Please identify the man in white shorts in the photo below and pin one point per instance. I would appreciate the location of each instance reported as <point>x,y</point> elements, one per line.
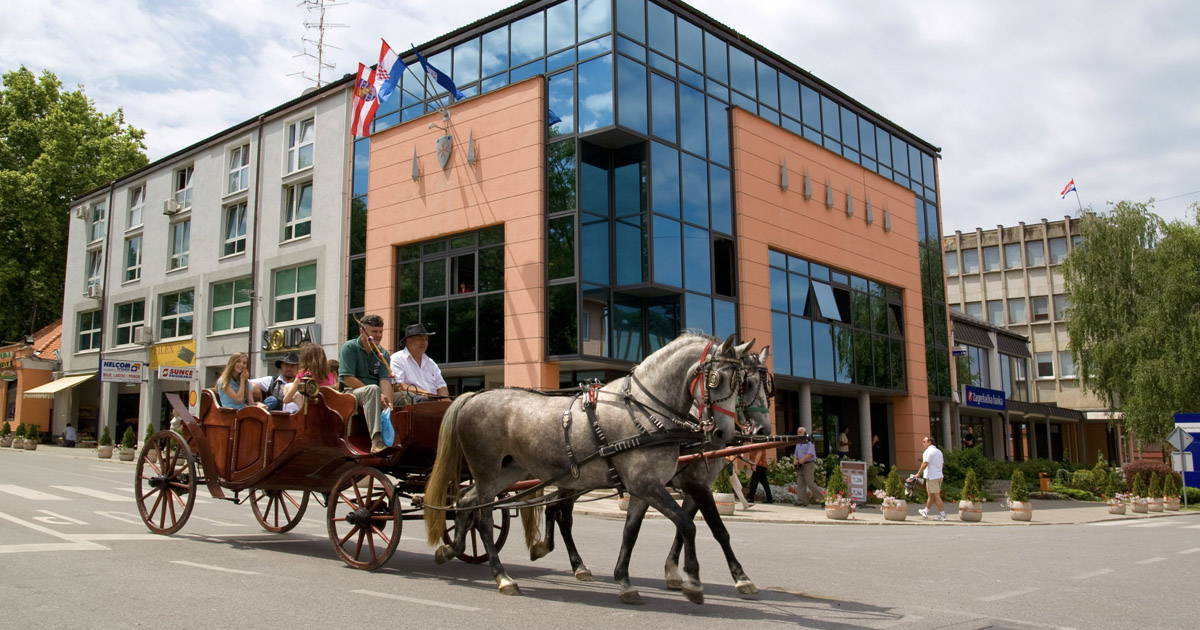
<point>931,466</point>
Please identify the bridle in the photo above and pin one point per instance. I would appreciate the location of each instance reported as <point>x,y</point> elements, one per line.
<point>706,378</point>
<point>766,385</point>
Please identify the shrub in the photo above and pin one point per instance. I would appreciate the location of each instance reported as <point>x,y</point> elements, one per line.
<point>31,432</point>
<point>1072,493</point>
<point>1193,496</point>
<point>721,484</point>
<point>826,467</point>
<point>782,471</point>
<point>1144,468</point>
<point>893,487</point>
<point>129,440</point>
<point>1156,488</point>
<point>874,478</point>
<point>1017,489</point>
<point>957,463</point>
<point>1115,485</point>
<point>149,433</point>
<point>1139,487</point>
<point>1171,487</point>
<point>970,489</point>
<point>4,430</point>
<point>1082,480</point>
<point>21,431</point>
<point>105,439</point>
<point>837,487</point>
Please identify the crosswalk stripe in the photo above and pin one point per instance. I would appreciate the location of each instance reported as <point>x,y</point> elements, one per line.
<point>1154,523</point>
<point>1150,560</point>
<point>95,494</point>
<point>1192,550</point>
<point>1123,521</point>
<point>212,568</point>
<point>130,490</point>
<point>32,495</point>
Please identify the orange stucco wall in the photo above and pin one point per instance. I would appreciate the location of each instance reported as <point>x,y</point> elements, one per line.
<point>35,411</point>
<point>769,217</point>
<point>505,185</point>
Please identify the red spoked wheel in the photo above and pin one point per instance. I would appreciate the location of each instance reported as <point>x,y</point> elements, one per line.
<point>473,552</point>
<point>278,511</point>
<point>364,518</point>
<point>165,483</point>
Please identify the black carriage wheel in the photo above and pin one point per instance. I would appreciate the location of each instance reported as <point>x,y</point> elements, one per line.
<point>278,511</point>
<point>165,483</point>
<point>363,512</point>
<point>473,552</point>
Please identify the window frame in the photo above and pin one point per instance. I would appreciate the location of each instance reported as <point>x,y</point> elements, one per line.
<point>1034,315</point>
<point>136,206</point>
<point>239,172</point>
<point>1029,254</point>
<point>1051,256</point>
<point>1038,363</point>
<point>294,145</point>
<point>132,325</point>
<point>291,196</point>
<point>1012,319</point>
<point>296,295</point>
<point>94,332</point>
<point>1008,261</point>
<point>1063,371</point>
<point>247,303</point>
<point>227,212</point>
<point>177,260</point>
<point>178,316</point>
<point>183,194</point>
<point>94,267</point>
<point>1062,304</point>
<point>984,263</point>
<point>136,269</point>
<point>973,254</point>
<point>951,267</point>
<point>96,214</point>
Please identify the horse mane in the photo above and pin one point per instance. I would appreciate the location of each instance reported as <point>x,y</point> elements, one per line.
<point>686,337</point>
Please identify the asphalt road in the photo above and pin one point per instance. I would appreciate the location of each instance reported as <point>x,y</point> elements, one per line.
<point>74,553</point>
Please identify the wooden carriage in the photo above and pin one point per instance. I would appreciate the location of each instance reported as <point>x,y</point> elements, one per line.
<point>279,461</point>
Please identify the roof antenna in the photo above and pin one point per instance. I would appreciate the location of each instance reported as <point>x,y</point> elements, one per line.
<point>318,7</point>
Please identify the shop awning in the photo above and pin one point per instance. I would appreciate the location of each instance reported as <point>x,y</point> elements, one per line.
<point>53,387</point>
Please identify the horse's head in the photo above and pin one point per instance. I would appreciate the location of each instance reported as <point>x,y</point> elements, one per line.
<point>715,385</point>
<point>757,390</point>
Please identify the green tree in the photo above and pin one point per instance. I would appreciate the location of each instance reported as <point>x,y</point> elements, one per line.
<point>54,146</point>
<point>1134,323</point>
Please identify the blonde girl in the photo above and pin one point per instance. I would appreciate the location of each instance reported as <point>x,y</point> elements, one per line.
<point>231,384</point>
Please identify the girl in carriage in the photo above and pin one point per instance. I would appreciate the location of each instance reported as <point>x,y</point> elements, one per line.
<point>232,391</point>
<point>313,366</point>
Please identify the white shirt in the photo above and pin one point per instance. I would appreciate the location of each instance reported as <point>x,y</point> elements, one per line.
<point>263,383</point>
<point>427,376</point>
<point>933,460</point>
<point>69,434</point>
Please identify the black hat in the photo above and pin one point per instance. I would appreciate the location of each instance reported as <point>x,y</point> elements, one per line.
<point>290,357</point>
<point>416,329</point>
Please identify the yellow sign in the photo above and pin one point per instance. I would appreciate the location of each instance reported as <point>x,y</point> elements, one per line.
<point>175,354</point>
<point>6,359</point>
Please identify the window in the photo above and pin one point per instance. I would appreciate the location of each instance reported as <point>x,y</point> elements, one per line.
<point>951,263</point>
<point>183,187</point>
<point>970,260</point>
<point>1076,241</point>
<point>1045,364</point>
<point>974,309</point>
<point>1058,250</point>
<point>180,237</point>
<point>297,220</point>
<point>89,331</point>
<point>300,145</point>
<point>239,169</point>
<point>95,263</point>
<point>231,306</point>
<point>137,203</point>
<point>133,258</point>
<point>235,229</point>
<point>130,317</point>
<point>95,219</point>
<point>1061,306</point>
<point>295,294</point>
<point>1012,256</point>
<point>991,258</point>
<point>1016,311</point>
<point>1035,253</point>
<point>1041,308</point>
<point>1066,364</point>
<point>995,312</point>
<point>176,318</point>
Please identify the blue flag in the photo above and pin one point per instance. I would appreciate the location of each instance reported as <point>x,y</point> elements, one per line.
<point>438,77</point>
<point>552,118</point>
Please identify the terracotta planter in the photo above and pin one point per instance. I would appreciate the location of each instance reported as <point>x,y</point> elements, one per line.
<point>1171,504</point>
<point>970,511</point>
<point>725,502</point>
<point>837,512</point>
<point>30,444</point>
<point>126,454</point>
<point>1140,506</point>
<point>1156,504</point>
<point>899,512</point>
<point>1116,508</point>
<point>1021,510</point>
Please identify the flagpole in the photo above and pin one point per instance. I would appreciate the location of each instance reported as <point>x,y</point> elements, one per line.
<point>1076,191</point>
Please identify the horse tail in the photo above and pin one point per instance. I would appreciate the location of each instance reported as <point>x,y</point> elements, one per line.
<point>531,520</point>
<point>446,473</point>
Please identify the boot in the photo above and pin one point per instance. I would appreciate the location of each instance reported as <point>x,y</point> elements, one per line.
<point>377,443</point>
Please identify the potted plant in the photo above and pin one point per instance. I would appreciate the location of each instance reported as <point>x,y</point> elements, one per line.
<point>895,508</point>
<point>1171,493</point>
<point>151,454</point>
<point>970,504</point>
<point>19,438</point>
<point>723,495</point>
<point>1018,498</point>
<point>1115,494</point>
<point>5,435</point>
<point>1155,493</point>
<point>838,502</point>
<point>31,437</point>
<point>104,446</point>
<point>1138,500</point>
<point>128,444</point>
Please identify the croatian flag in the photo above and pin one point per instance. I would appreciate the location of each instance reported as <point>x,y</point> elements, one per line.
<point>1070,188</point>
<point>438,77</point>
<point>388,72</point>
<point>365,102</point>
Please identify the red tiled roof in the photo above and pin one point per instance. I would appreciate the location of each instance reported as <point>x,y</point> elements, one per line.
<point>47,340</point>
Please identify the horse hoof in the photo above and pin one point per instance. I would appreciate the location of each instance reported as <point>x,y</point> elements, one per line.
<point>694,593</point>
<point>746,587</point>
<point>538,550</point>
<point>630,596</point>
<point>674,583</point>
<point>443,554</point>
<point>673,578</point>
<point>584,574</point>
<point>509,587</point>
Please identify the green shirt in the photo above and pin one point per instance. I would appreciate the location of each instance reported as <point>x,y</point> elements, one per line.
<point>356,361</point>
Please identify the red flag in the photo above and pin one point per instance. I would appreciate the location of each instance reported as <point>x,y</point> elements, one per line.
<point>365,102</point>
<point>1070,187</point>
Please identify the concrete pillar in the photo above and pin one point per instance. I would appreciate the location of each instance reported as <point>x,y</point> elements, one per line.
<point>1082,429</point>
<point>945,439</point>
<point>148,406</point>
<point>1049,450</point>
<point>806,407</point>
<point>864,426</point>
<point>106,416</point>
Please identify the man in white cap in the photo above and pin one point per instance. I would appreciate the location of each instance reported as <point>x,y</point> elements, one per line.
<point>417,373</point>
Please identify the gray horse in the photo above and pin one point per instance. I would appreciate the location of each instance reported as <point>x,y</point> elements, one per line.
<point>641,421</point>
<point>694,480</point>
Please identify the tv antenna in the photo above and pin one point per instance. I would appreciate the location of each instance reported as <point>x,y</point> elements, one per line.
<point>318,7</point>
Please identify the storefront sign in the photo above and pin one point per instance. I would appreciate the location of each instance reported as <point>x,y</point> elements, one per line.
<point>960,351</point>
<point>984,398</point>
<point>175,354</point>
<point>170,373</point>
<point>8,375</point>
<point>6,359</point>
<point>290,337</point>
<point>855,473</point>
<point>112,371</point>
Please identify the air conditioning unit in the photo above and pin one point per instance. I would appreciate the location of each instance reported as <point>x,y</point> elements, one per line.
<point>170,207</point>
<point>143,335</point>
<point>81,212</point>
<point>94,291</point>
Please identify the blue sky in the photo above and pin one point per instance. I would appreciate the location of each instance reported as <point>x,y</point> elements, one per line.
<point>1021,96</point>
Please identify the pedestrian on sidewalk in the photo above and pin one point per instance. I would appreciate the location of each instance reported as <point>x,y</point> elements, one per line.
<point>758,459</point>
<point>805,455</point>
<point>844,443</point>
<point>732,463</point>
<point>68,436</point>
<point>931,466</point>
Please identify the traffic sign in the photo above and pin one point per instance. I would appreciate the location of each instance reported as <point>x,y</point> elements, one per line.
<point>1179,439</point>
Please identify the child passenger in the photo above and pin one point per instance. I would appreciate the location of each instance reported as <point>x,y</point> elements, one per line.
<point>313,366</point>
<point>231,384</point>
